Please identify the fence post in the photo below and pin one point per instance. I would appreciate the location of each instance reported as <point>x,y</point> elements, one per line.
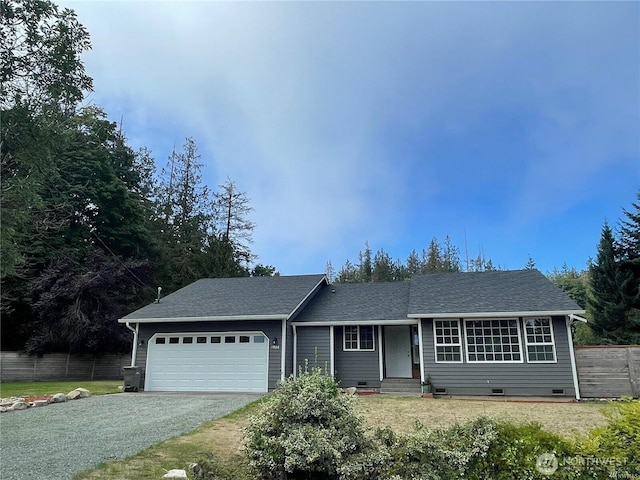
<point>93,367</point>
<point>632,374</point>
<point>66,370</point>
<point>35,366</point>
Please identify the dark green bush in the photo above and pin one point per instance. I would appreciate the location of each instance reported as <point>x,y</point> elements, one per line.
<point>515,450</point>
<point>439,454</point>
<point>615,448</point>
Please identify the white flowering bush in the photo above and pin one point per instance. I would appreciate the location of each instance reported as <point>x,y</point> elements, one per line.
<point>308,430</point>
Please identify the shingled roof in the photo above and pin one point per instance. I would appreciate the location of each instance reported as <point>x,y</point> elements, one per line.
<point>512,292</point>
<point>358,302</point>
<point>267,298</point>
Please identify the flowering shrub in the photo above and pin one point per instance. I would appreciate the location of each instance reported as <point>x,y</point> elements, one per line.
<point>307,429</point>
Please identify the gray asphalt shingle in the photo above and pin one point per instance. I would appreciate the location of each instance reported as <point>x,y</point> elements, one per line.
<point>245,296</point>
<point>478,292</point>
<point>351,302</point>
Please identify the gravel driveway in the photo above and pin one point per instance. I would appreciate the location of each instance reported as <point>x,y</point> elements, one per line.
<point>61,440</point>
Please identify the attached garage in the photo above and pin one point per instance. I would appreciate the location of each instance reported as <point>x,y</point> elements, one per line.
<point>208,362</point>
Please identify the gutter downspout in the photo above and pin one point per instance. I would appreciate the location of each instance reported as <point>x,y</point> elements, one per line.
<point>295,351</point>
<point>134,348</point>
<point>572,356</point>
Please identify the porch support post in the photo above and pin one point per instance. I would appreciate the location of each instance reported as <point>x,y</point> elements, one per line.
<point>572,357</point>
<point>295,351</point>
<point>283,350</point>
<point>421,350</point>
<point>380,359</point>
<point>332,352</point>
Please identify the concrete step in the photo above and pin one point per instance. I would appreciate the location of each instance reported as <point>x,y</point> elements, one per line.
<point>401,386</point>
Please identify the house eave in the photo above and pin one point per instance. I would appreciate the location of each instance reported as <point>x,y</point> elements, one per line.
<point>335,323</point>
<point>218,318</point>
<point>526,313</point>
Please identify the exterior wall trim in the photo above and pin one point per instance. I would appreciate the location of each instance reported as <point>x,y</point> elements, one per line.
<point>220,318</point>
<point>380,359</point>
<point>332,352</point>
<point>342,323</point>
<point>572,357</point>
<point>528,313</point>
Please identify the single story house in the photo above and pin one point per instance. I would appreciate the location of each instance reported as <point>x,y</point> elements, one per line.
<point>472,333</point>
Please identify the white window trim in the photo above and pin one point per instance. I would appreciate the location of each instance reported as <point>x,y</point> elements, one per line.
<point>436,344</point>
<point>517,320</point>
<point>344,339</point>
<point>552,342</point>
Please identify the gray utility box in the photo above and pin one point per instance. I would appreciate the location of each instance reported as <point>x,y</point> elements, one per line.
<point>132,379</point>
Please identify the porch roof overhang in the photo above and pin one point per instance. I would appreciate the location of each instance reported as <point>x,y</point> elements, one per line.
<point>525,313</point>
<point>218,318</point>
<point>336,323</point>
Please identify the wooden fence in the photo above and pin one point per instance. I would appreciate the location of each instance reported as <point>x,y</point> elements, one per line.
<point>17,367</point>
<point>608,371</point>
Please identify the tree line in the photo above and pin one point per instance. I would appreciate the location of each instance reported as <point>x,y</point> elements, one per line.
<point>89,228</point>
<point>608,289</point>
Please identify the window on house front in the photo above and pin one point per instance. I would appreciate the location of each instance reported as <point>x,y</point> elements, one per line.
<point>447,340</point>
<point>493,340</point>
<point>358,337</point>
<point>539,340</point>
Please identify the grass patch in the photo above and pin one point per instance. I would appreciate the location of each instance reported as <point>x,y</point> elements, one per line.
<point>402,413</point>
<point>223,437</point>
<point>24,389</point>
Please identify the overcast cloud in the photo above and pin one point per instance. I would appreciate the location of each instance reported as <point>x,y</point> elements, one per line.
<point>514,124</point>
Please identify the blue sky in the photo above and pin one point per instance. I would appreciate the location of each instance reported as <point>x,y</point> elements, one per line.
<point>512,127</point>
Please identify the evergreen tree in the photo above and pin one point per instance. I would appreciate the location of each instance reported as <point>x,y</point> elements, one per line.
<point>572,282</point>
<point>231,221</point>
<point>365,268</point>
<point>605,303</point>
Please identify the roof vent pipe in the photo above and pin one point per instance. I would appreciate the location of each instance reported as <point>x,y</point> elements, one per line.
<point>159,292</point>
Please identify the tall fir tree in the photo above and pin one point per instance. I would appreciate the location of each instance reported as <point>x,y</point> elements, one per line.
<point>605,302</point>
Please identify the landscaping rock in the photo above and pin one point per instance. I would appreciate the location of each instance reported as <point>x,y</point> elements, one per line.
<point>59,398</point>
<point>3,409</point>
<point>78,393</point>
<point>176,473</point>
<point>19,406</point>
<point>351,391</point>
<point>39,403</point>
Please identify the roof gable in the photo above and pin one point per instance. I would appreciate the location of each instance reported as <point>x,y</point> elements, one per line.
<point>228,298</point>
<point>353,302</point>
<point>511,291</point>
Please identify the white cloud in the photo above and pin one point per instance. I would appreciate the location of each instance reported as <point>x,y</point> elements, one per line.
<point>331,115</point>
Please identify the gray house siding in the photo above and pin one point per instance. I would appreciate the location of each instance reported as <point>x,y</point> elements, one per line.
<point>271,329</point>
<point>357,369</point>
<point>313,347</point>
<point>535,379</point>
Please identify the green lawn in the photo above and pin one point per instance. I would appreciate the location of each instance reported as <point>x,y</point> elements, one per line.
<point>24,389</point>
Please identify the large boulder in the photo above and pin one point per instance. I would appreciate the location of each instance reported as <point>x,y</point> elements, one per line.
<point>78,393</point>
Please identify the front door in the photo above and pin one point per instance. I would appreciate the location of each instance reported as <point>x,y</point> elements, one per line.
<point>397,351</point>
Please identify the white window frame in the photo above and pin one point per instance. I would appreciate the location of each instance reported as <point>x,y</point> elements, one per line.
<point>466,340</point>
<point>358,339</point>
<point>436,344</point>
<point>552,342</point>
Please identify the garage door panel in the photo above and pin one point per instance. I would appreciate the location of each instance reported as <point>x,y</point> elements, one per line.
<point>238,363</point>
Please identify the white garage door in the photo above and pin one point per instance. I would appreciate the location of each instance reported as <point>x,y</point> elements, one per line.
<point>208,362</point>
